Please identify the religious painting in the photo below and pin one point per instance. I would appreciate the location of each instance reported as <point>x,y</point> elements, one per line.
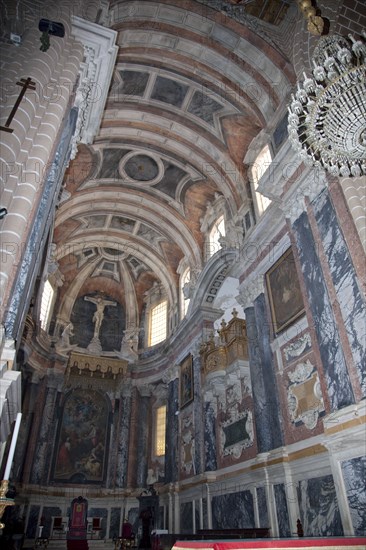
<point>284,292</point>
<point>82,438</point>
<point>186,381</point>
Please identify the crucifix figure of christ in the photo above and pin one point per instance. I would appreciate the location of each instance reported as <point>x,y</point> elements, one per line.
<point>99,313</point>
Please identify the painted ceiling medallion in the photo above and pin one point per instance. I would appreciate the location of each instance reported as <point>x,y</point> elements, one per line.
<point>138,167</point>
<point>328,112</point>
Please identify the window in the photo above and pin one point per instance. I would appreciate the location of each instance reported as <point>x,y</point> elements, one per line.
<point>186,277</point>
<point>160,430</point>
<point>262,162</point>
<point>46,303</point>
<point>217,231</point>
<point>158,322</point>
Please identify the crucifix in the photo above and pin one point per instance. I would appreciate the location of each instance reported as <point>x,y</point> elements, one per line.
<point>25,83</point>
<point>99,313</point>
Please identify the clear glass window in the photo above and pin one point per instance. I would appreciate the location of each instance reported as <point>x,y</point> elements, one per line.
<point>158,324</point>
<point>160,431</point>
<point>46,303</point>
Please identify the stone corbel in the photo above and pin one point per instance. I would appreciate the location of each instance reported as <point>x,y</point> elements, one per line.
<point>171,374</point>
<point>250,290</point>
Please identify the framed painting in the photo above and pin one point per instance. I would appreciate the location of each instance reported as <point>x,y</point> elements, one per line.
<point>284,292</point>
<point>186,381</point>
<point>83,435</point>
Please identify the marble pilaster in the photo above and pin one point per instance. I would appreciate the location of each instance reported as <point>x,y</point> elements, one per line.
<point>338,382</point>
<point>45,439</point>
<point>351,302</point>
<point>124,438</point>
<point>266,406</point>
<point>171,453</point>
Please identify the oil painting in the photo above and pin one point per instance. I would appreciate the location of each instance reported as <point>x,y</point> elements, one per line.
<point>284,292</point>
<point>82,438</point>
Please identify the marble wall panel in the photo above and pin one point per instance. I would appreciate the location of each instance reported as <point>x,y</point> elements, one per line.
<point>210,438</point>
<point>350,299</point>
<point>48,513</point>
<point>262,507</point>
<point>186,517</point>
<point>204,513</point>
<point>283,521</point>
<point>354,475</point>
<point>31,531</point>
<point>338,382</point>
<point>319,512</point>
<point>114,527</point>
<point>233,511</point>
<point>100,513</point>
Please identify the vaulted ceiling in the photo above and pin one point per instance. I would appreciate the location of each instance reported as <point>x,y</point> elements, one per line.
<point>191,89</point>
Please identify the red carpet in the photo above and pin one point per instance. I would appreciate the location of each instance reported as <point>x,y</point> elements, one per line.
<point>324,543</point>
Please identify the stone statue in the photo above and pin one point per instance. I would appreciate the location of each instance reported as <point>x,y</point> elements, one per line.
<point>99,313</point>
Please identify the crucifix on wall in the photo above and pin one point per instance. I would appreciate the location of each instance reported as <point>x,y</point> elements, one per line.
<point>98,317</point>
<point>25,84</point>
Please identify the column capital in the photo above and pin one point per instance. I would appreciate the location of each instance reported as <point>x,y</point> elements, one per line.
<point>250,290</point>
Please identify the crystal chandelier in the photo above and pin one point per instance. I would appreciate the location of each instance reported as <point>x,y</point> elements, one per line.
<point>327,115</point>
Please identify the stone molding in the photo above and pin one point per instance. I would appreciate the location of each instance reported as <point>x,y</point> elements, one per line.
<point>250,290</point>
<point>100,52</point>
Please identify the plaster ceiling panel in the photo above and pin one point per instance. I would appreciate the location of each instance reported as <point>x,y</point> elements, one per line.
<point>169,91</point>
<point>122,223</point>
<point>133,82</point>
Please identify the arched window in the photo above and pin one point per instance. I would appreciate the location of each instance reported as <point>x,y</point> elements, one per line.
<point>46,305</point>
<point>158,323</point>
<point>159,430</point>
<point>217,231</point>
<point>260,165</point>
<point>185,279</point>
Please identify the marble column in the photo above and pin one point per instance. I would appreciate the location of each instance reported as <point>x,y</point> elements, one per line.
<point>45,442</point>
<point>334,365</point>
<point>171,454</point>
<point>143,436</point>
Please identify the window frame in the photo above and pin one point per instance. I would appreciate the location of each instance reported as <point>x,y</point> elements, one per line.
<point>151,327</point>
<point>45,319</point>
<point>157,439</point>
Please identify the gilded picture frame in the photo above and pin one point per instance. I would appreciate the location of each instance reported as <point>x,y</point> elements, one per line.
<point>186,381</point>
<point>284,292</point>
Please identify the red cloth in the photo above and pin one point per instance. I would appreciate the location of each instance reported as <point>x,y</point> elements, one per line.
<point>127,530</point>
<point>328,543</point>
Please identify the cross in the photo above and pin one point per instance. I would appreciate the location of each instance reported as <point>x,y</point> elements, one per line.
<point>25,83</point>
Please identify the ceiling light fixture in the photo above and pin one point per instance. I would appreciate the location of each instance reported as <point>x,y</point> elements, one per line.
<point>327,115</point>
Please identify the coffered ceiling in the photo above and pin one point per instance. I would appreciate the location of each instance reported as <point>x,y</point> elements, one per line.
<point>190,90</point>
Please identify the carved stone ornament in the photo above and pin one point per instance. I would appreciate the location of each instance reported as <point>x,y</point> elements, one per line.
<point>237,433</point>
<point>304,397</point>
<point>298,347</point>
<point>250,290</point>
